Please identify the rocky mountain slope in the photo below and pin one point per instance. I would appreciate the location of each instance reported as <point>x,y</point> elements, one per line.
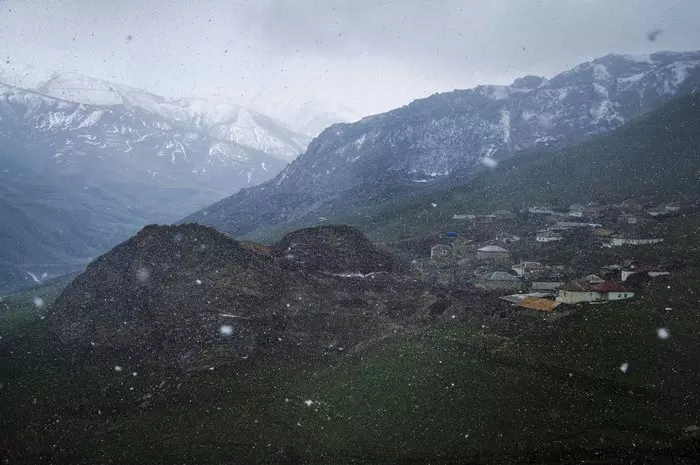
<point>459,132</point>
<point>190,297</point>
<point>653,159</point>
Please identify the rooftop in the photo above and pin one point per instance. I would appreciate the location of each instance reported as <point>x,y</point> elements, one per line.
<point>492,248</point>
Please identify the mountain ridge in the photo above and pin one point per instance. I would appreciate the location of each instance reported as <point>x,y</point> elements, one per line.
<point>460,132</point>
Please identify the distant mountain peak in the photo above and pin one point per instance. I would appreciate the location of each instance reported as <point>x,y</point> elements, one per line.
<point>222,120</point>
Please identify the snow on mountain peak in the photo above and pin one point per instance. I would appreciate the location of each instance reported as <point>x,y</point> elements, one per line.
<point>223,120</point>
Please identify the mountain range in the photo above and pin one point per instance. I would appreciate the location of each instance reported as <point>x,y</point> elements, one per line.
<point>457,134</point>
<point>84,163</point>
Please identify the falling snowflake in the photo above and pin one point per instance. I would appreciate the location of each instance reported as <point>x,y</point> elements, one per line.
<point>489,162</point>
<point>624,367</point>
<point>117,368</point>
<point>434,205</point>
<point>309,403</point>
<point>663,333</point>
<point>226,330</point>
<point>198,281</point>
<point>142,274</point>
<point>38,302</point>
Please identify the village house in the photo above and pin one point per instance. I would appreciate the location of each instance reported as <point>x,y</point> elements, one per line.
<point>524,268</point>
<point>629,218</point>
<point>652,272</point>
<point>575,292</point>
<point>663,210</point>
<point>440,252</point>
<point>507,238</point>
<point>504,215</point>
<point>548,236</point>
<point>545,285</point>
<point>502,280</point>
<point>576,211</point>
<point>620,241</point>
<point>492,252</point>
<point>592,279</point>
<point>541,210</point>
<point>606,233</point>
<point>517,298</point>
<point>539,304</point>
<point>575,224</point>
<point>464,217</point>
<point>633,205</point>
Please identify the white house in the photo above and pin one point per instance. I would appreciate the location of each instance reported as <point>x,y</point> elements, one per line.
<point>575,224</point>
<point>620,241</point>
<point>548,236</point>
<point>575,292</point>
<point>492,252</point>
<point>543,285</point>
<point>651,272</point>
<point>463,217</point>
<point>507,238</point>
<point>502,280</point>
<point>440,251</point>
<point>541,210</point>
<point>523,268</point>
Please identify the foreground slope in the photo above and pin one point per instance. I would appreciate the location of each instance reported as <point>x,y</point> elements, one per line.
<point>453,133</point>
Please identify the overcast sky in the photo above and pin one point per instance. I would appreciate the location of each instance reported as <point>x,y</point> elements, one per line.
<point>370,55</point>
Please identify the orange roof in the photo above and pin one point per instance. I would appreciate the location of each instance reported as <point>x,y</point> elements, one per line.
<point>536,303</point>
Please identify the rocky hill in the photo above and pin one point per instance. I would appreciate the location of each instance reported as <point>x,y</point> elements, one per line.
<point>190,297</point>
<point>337,249</point>
<point>460,132</point>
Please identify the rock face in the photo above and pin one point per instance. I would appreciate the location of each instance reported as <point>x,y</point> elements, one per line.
<point>190,297</point>
<point>457,132</point>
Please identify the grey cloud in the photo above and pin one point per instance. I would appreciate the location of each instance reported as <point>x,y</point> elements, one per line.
<point>370,55</point>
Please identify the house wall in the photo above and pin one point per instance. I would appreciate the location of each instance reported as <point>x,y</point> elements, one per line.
<point>619,295</point>
<point>574,297</point>
<point>493,255</point>
<point>503,285</point>
<point>545,286</point>
<point>548,239</point>
<point>616,242</point>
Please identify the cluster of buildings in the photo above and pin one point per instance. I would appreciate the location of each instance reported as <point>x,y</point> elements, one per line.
<point>459,259</point>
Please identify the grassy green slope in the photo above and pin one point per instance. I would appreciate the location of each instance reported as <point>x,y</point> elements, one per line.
<point>458,391</point>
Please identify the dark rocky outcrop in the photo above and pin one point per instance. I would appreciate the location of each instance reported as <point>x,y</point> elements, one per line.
<point>191,297</point>
<point>337,249</point>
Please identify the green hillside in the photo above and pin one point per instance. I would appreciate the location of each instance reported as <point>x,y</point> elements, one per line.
<point>476,388</point>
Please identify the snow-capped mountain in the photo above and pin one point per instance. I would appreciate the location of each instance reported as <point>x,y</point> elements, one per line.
<point>86,176</point>
<point>219,119</point>
<point>459,131</point>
